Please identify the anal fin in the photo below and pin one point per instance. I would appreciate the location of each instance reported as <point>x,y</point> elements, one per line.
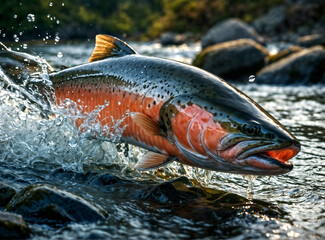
<point>152,160</point>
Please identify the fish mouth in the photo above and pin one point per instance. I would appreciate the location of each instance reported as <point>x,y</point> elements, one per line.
<point>266,158</point>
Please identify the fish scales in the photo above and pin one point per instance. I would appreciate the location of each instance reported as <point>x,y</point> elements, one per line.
<point>177,112</point>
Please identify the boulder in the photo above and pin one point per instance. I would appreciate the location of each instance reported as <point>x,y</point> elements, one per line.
<point>170,38</point>
<point>306,66</point>
<point>274,57</point>
<point>45,204</point>
<point>228,30</point>
<point>311,40</point>
<point>13,226</point>
<point>272,22</point>
<point>233,60</point>
<point>6,193</point>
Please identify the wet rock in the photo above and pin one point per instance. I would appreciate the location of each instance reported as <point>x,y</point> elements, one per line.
<point>46,204</point>
<point>311,40</point>
<point>307,66</point>
<point>6,194</point>
<point>107,179</point>
<point>13,226</point>
<point>170,38</point>
<point>283,53</point>
<point>172,192</point>
<point>228,30</point>
<point>271,23</point>
<point>232,60</point>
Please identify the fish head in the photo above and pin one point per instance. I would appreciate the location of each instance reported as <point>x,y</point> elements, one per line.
<point>229,135</point>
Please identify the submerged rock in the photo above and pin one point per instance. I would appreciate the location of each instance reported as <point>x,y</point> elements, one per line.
<point>172,192</point>
<point>13,226</point>
<point>46,204</point>
<point>228,30</point>
<point>6,194</point>
<point>306,66</point>
<point>233,59</point>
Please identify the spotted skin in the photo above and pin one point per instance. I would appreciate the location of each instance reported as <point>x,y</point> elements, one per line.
<point>198,112</point>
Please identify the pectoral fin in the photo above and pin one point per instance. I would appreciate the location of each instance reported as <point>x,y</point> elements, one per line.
<point>148,125</point>
<point>152,160</point>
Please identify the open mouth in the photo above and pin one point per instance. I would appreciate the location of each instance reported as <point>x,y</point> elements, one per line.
<point>270,158</point>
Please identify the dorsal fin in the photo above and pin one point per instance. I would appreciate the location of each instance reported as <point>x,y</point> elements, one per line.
<point>108,46</point>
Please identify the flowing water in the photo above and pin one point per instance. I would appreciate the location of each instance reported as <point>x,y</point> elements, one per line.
<point>41,144</point>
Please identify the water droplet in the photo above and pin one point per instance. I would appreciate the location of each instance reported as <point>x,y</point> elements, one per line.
<point>31,17</point>
<point>3,35</point>
<point>50,4</point>
<point>60,54</point>
<point>48,15</point>
<point>73,142</point>
<point>57,22</point>
<point>119,103</point>
<point>57,39</point>
<point>251,78</point>
<point>62,4</point>
<point>24,46</point>
<point>15,16</point>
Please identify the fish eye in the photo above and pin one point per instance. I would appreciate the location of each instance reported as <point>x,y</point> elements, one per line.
<point>250,130</point>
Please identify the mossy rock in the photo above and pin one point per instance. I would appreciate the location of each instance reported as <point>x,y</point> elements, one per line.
<point>232,60</point>
<point>45,204</point>
<point>304,67</point>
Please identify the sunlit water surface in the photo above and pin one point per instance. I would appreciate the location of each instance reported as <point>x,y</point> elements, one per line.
<point>33,148</point>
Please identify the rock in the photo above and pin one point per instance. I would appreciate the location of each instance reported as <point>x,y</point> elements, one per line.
<point>172,192</point>
<point>107,179</point>
<point>306,66</point>
<point>170,38</point>
<point>45,204</point>
<point>13,226</point>
<point>6,194</point>
<point>283,53</point>
<point>231,29</point>
<point>311,40</point>
<point>234,59</point>
<point>272,22</point>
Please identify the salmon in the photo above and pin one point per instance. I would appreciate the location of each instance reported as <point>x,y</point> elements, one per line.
<point>177,112</point>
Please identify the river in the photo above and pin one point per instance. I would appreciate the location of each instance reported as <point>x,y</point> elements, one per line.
<point>208,205</point>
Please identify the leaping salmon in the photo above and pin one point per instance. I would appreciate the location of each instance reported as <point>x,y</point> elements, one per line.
<point>177,112</point>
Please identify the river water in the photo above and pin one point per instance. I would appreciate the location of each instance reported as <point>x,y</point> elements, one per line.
<point>37,149</point>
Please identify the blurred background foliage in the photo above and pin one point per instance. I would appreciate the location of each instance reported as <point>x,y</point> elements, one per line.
<point>140,19</point>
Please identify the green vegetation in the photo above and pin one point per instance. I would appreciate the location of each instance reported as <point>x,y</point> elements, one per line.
<point>134,18</point>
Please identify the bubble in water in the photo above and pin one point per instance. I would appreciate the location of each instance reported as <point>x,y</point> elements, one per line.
<point>251,78</point>
<point>15,16</point>
<point>60,54</point>
<point>16,38</point>
<point>50,4</point>
<point>31,17</point>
